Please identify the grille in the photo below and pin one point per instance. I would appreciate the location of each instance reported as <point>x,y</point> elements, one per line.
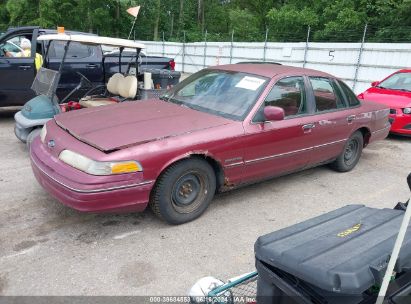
<point>393,111</point>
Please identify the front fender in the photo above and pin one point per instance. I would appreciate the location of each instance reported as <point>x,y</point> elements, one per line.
<point>187,155</point>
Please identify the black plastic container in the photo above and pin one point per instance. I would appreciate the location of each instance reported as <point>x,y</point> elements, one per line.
<point>168,78</point>
<point>338,257</point>
<point>174,78</point>
<point>162,78</point>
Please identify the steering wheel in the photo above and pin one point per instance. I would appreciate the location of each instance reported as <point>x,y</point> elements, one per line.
<point>84,81</point>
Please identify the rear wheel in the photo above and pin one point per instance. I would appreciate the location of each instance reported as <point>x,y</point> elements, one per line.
<point>184,191</point>
<point>351,154</point>
<point>31,136</point>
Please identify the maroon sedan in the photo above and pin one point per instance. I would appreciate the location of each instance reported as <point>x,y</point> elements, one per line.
<point>220,128</point>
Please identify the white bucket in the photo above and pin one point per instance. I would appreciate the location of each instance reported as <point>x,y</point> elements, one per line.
<point>147,81</point>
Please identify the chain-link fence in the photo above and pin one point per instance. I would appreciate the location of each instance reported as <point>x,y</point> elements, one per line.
<point>374,33</point>
<point>358,56</point>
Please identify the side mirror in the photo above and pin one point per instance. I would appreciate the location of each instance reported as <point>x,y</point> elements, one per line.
<point>273,113</point>
<point>375,83</point>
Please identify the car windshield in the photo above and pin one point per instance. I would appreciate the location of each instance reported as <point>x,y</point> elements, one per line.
<point>398,81</point>
<point>224,93</point>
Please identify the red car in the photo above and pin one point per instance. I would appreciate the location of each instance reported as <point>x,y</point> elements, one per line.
<point>394,92</point>
<point>220,128</point>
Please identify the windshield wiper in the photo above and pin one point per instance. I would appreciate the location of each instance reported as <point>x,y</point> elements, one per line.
<point>171,99</point>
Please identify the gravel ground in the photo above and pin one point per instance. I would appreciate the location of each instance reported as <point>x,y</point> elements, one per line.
<point>48,249</point>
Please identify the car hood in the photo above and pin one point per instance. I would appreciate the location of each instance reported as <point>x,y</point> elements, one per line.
<point>391,98</point>
<point>114,127</point>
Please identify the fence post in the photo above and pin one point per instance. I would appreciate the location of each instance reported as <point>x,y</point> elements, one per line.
<point>163,46</point>
<point>265,43</point>
<point>231,46</point>
<point>306,46</point>
<point>359,57</point>
<point>205,49</point>
<point>184,50</point>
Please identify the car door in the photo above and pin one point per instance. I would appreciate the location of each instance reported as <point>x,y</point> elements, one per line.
<point>16,73</point>
<point>333,120</point>
<point>86,59</point>
<point>277,147</point>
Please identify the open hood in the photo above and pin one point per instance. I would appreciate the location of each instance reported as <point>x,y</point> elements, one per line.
<point>114,127</point>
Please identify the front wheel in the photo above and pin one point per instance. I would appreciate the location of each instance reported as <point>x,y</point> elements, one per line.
<point>351,154</point>
<point>184,191</point>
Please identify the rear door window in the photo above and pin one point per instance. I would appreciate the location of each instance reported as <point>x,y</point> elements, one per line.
<point>327,95</point>
<point>76,50</point>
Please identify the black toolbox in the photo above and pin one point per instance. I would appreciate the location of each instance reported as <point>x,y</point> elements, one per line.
<point>338,257</point>
<point>163,78</point>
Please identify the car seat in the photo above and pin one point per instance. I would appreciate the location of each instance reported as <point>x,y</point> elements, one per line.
<point>325,100</point>
<point>127,87</point>
<point>289,104</point>
<point>118,85</point>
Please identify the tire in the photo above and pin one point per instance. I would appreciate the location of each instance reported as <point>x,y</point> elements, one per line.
<point>31,136</point>
<point>184,191</point>
<point>351,154</point>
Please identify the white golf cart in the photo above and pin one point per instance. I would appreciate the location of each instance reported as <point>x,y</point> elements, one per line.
<point>120,86</point>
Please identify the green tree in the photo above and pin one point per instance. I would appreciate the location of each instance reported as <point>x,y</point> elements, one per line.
<point>244,24</point>
<point>290,23</point>
<point>287,20</point>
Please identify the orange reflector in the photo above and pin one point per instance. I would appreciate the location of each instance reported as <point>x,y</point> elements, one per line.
<point>60,30</point>
<point>125,167</point>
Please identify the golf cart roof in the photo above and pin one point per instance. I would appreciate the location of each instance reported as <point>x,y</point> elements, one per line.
<point>116,42</point>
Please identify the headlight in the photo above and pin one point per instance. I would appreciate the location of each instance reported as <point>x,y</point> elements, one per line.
<point>407,110</point>
<point>43,133</point>
<point>93,167</point>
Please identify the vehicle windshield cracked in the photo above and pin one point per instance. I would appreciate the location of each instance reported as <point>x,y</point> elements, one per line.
<point>223,93</point>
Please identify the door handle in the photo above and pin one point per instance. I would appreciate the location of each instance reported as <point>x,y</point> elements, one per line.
<point>307,127</point>
<point>91,66</point>
<point>24,67</point>
<point>350,118</point>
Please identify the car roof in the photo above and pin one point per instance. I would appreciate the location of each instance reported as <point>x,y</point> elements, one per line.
<point>270,70</point>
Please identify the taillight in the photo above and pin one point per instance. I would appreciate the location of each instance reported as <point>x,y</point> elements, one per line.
<point>172,64</point>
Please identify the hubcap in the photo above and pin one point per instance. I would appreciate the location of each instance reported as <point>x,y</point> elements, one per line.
<point>188,192</point>
<point>351,151</point>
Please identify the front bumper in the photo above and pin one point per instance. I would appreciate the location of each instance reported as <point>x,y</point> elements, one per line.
<point>126,197</point>
<point>400,123</point>
<point>23,126</point>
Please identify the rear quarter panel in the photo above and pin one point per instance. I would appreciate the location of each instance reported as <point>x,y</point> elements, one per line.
<point>374,117</point>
